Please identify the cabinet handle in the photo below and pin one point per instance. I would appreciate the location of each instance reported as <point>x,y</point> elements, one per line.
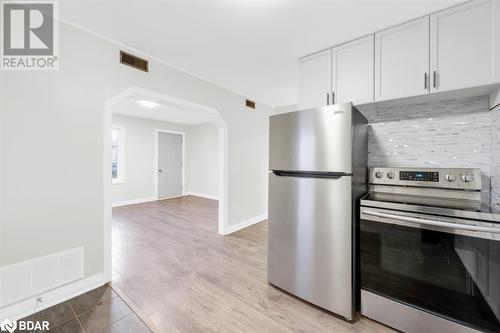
<point>434,79</point>
<point>327,98</point>
<point>425,80</point>
<point>333,97</point>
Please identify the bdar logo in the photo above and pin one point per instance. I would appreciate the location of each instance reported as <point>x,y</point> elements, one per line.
<point>8,326</point>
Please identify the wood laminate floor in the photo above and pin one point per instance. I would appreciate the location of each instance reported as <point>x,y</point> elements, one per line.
<point>179,275</point>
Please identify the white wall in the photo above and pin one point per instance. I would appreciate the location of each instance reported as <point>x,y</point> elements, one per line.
<point>139,154</point>
<point>285,108</point>
<point>3,107</point>
<point>202,160</point>
<point>53,147</point>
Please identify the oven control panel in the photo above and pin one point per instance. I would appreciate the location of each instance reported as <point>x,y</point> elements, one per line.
<point>466,179</point>
<point>419,176</point>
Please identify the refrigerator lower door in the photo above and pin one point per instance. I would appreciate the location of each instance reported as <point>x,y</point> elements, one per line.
<point>310,240</point>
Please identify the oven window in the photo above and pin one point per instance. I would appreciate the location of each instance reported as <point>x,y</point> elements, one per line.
<point>453,276</point>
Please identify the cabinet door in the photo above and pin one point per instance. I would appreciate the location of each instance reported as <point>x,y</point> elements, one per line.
<point>462,46</point>
<point>402,60</point>
<point>352,71</point>
<point>315,80</point>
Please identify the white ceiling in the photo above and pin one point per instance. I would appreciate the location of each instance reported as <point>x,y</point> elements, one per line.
<point>249,46</point>
<point>163,112</point>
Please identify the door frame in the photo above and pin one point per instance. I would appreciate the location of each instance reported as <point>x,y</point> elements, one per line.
<point>157,147</point>
<point>106,160</point>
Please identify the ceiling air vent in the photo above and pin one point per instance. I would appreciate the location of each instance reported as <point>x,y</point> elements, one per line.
<point>133,61</point>
<point>250,104</point>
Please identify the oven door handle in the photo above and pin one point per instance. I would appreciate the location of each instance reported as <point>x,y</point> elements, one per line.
<point>435,223</point>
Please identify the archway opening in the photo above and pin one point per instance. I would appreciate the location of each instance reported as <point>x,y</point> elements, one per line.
<point>158,113</point>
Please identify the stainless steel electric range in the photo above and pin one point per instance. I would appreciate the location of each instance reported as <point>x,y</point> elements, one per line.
<point>429,251</point>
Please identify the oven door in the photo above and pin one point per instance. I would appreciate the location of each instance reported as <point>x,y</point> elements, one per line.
<point>446,266</point>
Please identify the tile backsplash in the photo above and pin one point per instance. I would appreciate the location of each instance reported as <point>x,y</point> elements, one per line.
<point>495,159</point>
<point>453,133</point>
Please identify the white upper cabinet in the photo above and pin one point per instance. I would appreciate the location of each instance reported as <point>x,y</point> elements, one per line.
<point>315,80</point>
<point>352,71</point>
<point>463,46</point>
<point>402,60</point>
<point>456,48</point>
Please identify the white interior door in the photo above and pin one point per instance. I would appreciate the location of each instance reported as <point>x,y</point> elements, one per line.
<point>352,68</point>
<point>402,60</point>
<point>169,165</point>
<point>462,45</point>
<point>315,80</point>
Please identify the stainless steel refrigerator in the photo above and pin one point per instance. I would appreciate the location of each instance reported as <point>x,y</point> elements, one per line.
<point>318,171</point>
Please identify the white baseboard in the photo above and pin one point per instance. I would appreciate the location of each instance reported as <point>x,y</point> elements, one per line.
<point>50,298</point>
<point>172,197</point>
<point>233,228</point>
<point>133,202</point>
<point>203,195</point>
<point>151,199</point>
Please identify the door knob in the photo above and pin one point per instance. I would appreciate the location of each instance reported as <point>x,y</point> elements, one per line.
<point>160,170</point>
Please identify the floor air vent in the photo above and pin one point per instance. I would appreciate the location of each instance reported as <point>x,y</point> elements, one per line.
<point>133,61</point>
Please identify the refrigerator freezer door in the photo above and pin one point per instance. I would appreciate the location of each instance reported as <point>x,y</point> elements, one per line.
<point>310,243</point>
<point>312,140</point>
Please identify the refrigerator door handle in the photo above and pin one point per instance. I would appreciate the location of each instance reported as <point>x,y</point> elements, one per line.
<point>311,174</point>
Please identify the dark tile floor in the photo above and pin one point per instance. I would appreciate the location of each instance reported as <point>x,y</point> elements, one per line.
<point>98,311</point>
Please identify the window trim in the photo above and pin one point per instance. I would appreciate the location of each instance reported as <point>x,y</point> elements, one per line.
<point>120,159</point>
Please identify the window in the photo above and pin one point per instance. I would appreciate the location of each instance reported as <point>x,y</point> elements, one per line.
<point>117,149</point>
